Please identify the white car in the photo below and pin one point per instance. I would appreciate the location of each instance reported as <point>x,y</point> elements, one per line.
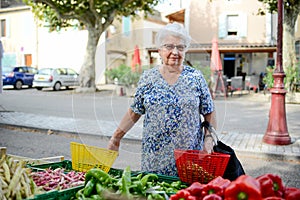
<point>55,78</point>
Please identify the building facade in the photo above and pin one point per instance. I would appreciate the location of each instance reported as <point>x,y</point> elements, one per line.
<point>247,41</point>
<point>26,43</point>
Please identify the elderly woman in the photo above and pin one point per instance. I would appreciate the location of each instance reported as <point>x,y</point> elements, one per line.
<point>172,97</point>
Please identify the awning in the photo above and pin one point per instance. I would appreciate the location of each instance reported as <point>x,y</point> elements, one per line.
<point>228,48</point>
<point>177,16</point>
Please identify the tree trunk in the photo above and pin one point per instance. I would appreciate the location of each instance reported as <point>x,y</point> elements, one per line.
<point>289,60</point>
<point>87,71</point>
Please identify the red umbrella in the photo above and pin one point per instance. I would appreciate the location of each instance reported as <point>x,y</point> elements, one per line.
<point>136,60</point>
<point>215,61</point>
<point>216,65</point>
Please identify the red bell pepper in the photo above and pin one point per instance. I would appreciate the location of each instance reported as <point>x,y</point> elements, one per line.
<point>224,183</point>
<point>216,186</point>
<point>266,184</point>
<point>273,198</point>
<point>182,194</point>
<point>192,198</point>
<point>212,189</point>
<point>271,185</point>
<point>195,189</point>
<point>292,193</point>
<point>212,197</point>
<point>243,188</point>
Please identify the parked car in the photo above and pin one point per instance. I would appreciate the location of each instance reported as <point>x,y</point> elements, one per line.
<point>18,76</point>
<point>55,78</point>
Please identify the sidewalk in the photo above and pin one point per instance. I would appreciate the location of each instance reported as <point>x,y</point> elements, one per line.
<point>242,142</point>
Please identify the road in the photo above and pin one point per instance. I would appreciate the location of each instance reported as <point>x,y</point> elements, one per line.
<point>238,114</point>
<point>234,114</point>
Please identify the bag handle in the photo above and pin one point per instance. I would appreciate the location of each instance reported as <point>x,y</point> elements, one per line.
<point>212,131</point>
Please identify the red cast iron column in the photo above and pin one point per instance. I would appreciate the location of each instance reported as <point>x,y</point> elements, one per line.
<point>277,131</point>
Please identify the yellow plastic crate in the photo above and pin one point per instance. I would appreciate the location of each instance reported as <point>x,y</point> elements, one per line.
<point>85,157</point>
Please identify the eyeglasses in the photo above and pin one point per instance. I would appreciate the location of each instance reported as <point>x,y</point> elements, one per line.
<point>170,47</point>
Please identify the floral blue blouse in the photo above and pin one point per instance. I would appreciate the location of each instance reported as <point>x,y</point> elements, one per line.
<point>172,116</point>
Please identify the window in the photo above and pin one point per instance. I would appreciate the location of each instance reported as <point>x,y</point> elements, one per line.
<point>154,37</point>
<point>62,71</point>
<point>297,48</point>
<point>21,69</point>
<point>3,27</point>
<point>71,72</point>
<point>32,70</point>
<point>232,25</point>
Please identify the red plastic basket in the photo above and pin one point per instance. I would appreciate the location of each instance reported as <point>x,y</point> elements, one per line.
<point>198,166</point>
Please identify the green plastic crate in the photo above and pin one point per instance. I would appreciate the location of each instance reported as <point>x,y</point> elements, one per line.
<point>68,193</point>
<point>51,195</point>
<point>55,194</point>
<point>66,164</point>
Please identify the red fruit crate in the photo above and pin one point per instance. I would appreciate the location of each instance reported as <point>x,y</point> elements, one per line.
<point>198,166</point>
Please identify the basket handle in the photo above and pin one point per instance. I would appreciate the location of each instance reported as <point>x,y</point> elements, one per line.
<point>212,131</point>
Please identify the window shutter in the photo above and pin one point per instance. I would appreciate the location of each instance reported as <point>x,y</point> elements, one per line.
<point>222,26</point>
<point>7,27</point>
<point>242,32</point>
<point>126,22</point>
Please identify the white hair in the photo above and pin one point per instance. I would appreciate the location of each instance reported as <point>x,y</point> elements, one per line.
<point>173,29</point>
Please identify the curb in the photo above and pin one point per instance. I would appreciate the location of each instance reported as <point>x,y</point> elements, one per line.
<point>268,156</point>
<point>59,132</point>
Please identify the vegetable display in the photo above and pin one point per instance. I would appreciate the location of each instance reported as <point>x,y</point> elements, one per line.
<point>19,182</point>
<point>101,185</point>
<point>265,187</point>
<point>15,180</point>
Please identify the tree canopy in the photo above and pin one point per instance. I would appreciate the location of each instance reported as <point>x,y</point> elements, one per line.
<point>289,5</point>
<point>290,15</point>
<point>93,15</point>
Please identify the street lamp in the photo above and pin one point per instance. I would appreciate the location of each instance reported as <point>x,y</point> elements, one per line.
<point>277,131</point>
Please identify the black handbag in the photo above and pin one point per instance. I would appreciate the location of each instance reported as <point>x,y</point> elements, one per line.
<point>234,167</point>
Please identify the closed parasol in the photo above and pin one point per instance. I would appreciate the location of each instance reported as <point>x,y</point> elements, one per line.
<point>215,61</point>
<point>136,60</point>
<point>216,66</point>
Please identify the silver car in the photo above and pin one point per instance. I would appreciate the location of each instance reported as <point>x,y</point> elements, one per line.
<point>55,78</point>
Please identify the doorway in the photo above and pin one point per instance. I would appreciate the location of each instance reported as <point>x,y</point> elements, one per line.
<point>229,65</point>
<point>28,59</point>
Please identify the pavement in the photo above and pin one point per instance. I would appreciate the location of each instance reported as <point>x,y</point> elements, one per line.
<point>245,143</point>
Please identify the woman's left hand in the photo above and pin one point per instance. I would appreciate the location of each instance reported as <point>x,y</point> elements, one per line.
<point>208,144</point>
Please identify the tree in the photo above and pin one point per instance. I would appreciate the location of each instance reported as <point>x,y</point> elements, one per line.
<point>289,61</point>
<point>93,15</point>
